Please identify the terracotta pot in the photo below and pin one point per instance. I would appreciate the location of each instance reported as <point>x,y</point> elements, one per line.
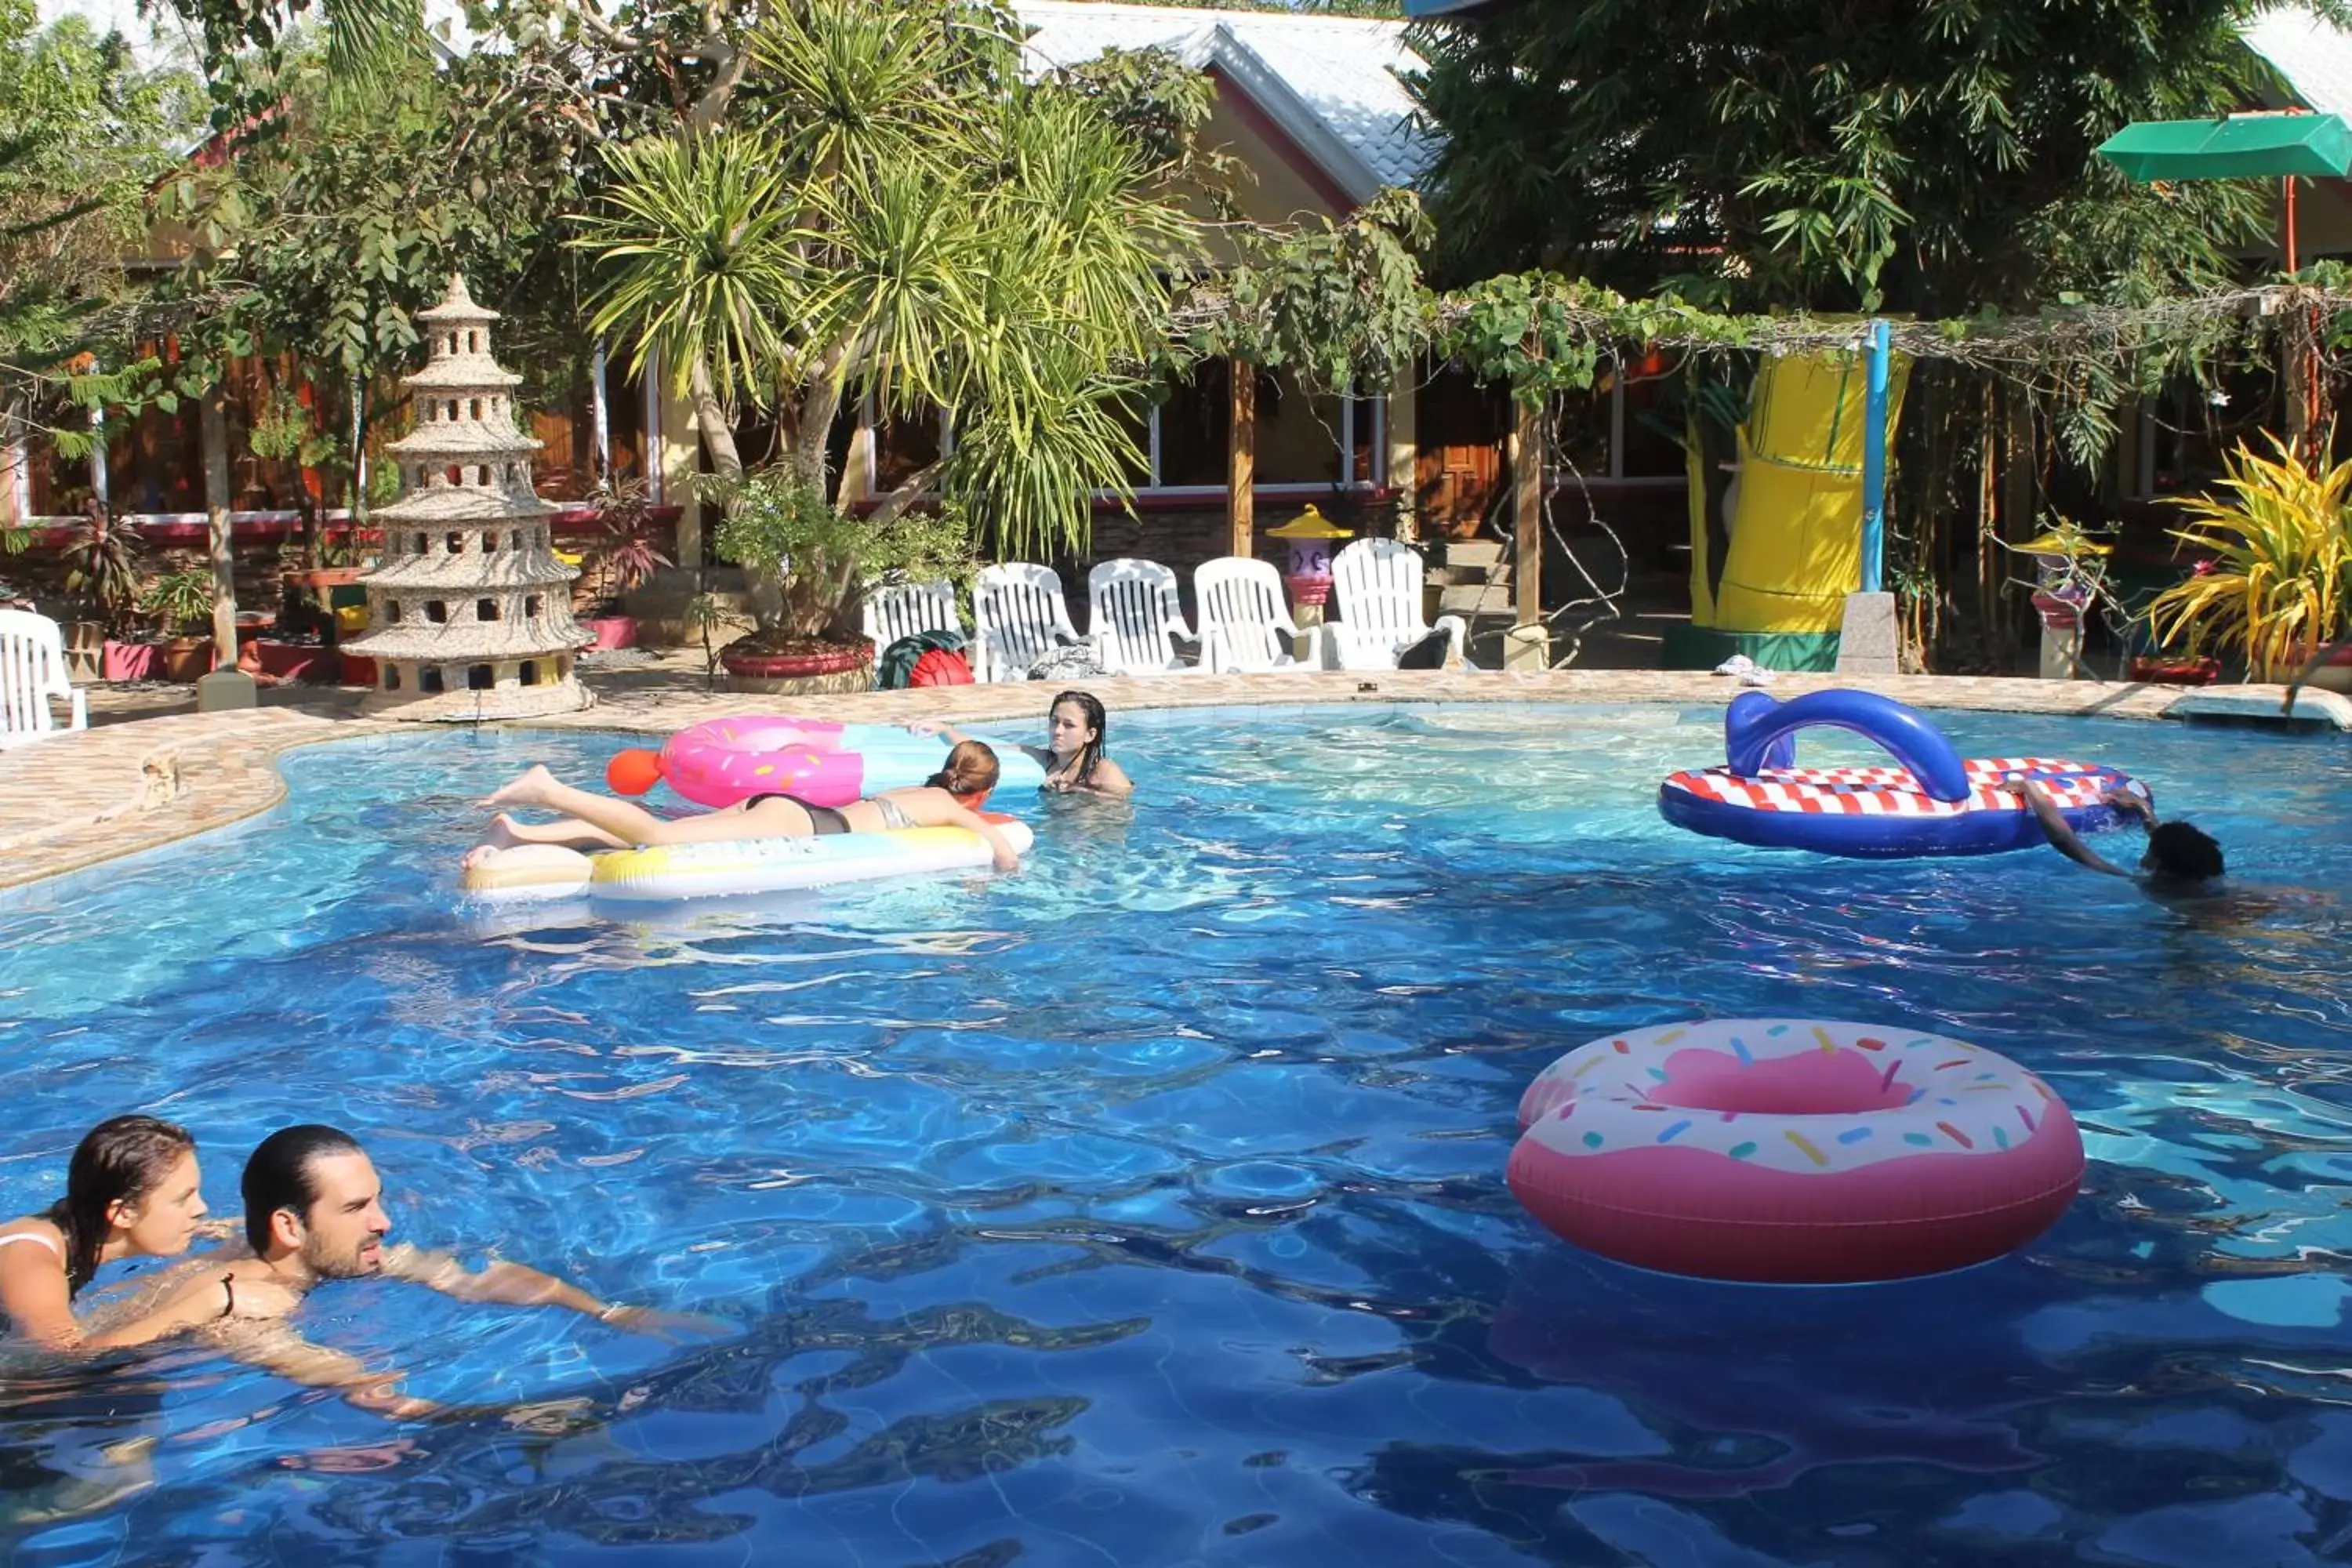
<point>130,660</point>
<point>830,660</point>
<point>187,658</point>
<point>817,672</point>
<point>611,631</point>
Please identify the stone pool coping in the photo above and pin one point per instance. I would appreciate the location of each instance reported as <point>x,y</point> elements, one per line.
<point>75,801</point>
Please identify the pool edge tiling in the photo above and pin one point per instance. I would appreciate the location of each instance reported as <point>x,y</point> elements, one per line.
<point>75,801</point>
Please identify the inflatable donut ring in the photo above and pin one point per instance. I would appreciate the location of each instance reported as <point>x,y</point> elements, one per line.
<point>1793,1150</point>
<point>722,760</point>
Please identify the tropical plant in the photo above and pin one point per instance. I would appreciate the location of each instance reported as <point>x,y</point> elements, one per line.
<point>84,132</point>
<point>181,601</point>
<point>895,213</point>
<point>101,560</point>
<point>705,616</point>
<point>624,554</point>
<point>1933,157</point>
<point>780,527</point>
<point>2277,579</point>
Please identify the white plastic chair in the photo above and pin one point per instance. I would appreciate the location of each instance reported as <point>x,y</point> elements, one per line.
<point>1245,622</point>
<point>902,609</point>
<point>1376,584</point>
<point>1134,616</point>
<point>1018,615</point>
<point>32,671</point>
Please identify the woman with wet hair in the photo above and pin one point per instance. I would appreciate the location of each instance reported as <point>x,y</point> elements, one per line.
<point>133,1190</point>
<point>953,798</point>
<point>1075,755</point>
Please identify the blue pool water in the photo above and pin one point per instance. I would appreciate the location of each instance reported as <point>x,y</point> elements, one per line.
<point>1147,1207</point>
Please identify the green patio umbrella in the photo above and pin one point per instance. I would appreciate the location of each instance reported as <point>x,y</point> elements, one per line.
<point>2239,146</point>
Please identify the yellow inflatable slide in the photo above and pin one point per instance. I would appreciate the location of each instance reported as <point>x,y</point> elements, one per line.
<point>1796,517</point>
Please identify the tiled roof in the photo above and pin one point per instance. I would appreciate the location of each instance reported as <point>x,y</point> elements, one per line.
<point>1329,82</point>
<point>2315,57</point>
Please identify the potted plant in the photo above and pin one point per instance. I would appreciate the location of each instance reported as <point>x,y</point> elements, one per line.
<point>2277,583</point>
<point>102,560</point>
<point>181,601</point>
<point>808,564</point>
<point>625,556</point>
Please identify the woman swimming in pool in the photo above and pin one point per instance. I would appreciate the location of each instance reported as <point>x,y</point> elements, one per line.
<point>951,799</point>
<point>132,1191</point>
<point>1076,756</point>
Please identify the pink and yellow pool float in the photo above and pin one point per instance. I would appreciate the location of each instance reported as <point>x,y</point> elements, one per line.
<point>722,760</point>
<point>1790,1151</point>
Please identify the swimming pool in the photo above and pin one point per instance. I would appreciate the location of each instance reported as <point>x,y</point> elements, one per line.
<point>1147,1207</point>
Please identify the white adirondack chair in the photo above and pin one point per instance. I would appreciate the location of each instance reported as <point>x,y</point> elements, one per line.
<point>1376,586</point>
<point>1245,623</point>
<point>902,609</point>
<point>1018,615</point>
<point>1134,616</point>
<point>32,671</point>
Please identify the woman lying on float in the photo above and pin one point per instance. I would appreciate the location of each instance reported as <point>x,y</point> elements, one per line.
<point>596,822</point>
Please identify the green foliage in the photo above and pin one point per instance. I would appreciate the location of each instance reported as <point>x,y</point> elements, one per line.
<point>1160,104</point>
<point>698,242</point>
<point>781,529</point>
<point>1341,304</point>
<point>83,131</point>
<point>102,561</point>
<point>181,601</point>
<point>1930,158</point>
<point>2279,578</point>
<point>893,213</point>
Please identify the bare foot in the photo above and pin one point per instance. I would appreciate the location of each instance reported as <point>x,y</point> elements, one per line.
<point>503,834</point>
<point>524,790</point>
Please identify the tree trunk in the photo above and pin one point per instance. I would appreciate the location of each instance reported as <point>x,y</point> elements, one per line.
<point>214,421</point>
<point>813,431</point>
<point>1241,460</point>
<point>710,422</point>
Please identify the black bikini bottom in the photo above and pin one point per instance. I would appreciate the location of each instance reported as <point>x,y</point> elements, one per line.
<point>824,819</point>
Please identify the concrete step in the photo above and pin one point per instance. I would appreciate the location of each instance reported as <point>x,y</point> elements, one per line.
<point>1467,577</point>
<point>1473,552</point>
<point>1491,599</point>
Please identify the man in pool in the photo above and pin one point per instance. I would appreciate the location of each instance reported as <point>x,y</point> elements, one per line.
<point>314,1213</point>
<point>2180,861</point>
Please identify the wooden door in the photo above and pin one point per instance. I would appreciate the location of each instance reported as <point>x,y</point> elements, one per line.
<point>1458,438</point>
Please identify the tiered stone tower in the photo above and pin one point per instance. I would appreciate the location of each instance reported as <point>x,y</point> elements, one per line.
<point>469,613</point>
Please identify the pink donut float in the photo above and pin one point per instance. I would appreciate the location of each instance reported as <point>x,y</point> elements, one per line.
<point>723,760</point>
<point>1793,1151</point>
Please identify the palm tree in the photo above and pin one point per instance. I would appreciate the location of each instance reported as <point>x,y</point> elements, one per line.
<point>899,216</point>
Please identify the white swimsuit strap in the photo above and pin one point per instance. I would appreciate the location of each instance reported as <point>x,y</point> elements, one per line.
<point>31,1236</point>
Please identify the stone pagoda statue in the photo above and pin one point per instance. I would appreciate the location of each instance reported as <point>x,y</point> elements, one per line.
<point>469,611</point>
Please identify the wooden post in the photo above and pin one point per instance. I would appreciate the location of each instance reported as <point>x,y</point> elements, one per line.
<point>1528,645</point>
<point>1240,471</point>
<point>214,419</point>
<point>1526,514</point>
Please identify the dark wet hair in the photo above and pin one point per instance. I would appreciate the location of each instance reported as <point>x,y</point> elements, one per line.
<point>971,770</point>
<point>2176,849</point>
<point>1094,751</point>
<point>277,1175</point>
<point>118,1161</point>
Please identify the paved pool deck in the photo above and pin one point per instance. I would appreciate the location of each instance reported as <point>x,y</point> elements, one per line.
<point>73,800</point>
